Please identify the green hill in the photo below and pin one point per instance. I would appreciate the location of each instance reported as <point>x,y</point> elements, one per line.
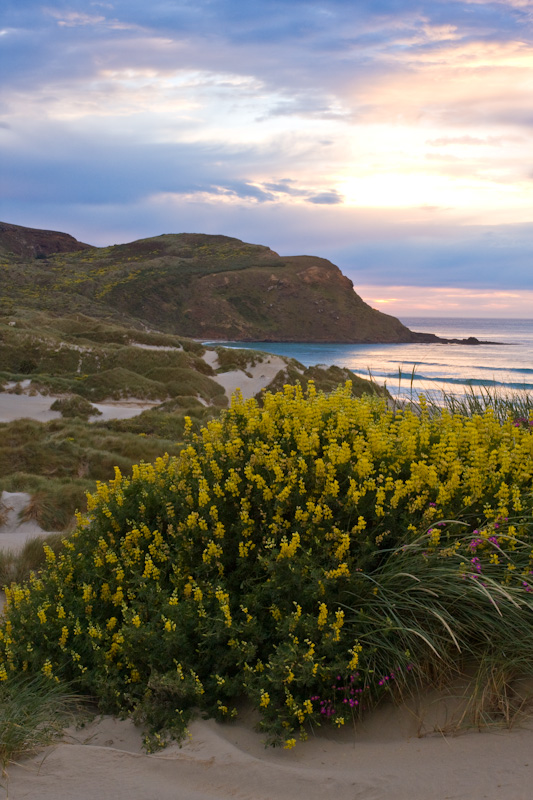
<point>193,285</point>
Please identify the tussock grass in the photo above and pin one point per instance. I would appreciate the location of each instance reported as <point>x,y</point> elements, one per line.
<point>34,713</point>
<point>414,603</point>
<point>232,358</point>
<point>75,406</point>
<point>327,379</point>
<point>517,404</point>
<point>473,400</point>
<point>17,567</point>
<point>4,513</point>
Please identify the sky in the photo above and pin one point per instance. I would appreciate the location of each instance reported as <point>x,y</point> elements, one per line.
<point>392,138</point>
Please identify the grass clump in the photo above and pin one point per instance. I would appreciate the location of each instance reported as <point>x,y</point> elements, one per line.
<point>75,406</point>
<point>17,566</point>
<point>312,555</point>
<point>35,712</point>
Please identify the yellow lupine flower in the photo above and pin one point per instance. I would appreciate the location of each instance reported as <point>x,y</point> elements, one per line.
<point>265,699</point>
<point>47,668</point>
<point>289,744</point>
<point>288,549</point>
<point>354,652</point>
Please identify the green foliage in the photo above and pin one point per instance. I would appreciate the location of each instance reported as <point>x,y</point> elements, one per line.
<point>75,406</point>
<point>311,555</point>
<point>231,358</point>
<point>326,379</point>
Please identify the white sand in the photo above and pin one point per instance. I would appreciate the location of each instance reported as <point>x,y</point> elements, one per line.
<point>14,533</point>
<point>162,347</point>
<point>261,375</point>
<point>21,406</point>
<point>223,762</point>
<point>37,407</point>
<point>123,409</point>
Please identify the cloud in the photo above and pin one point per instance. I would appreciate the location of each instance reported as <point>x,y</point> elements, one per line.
<point>72,19</point>
<point>409,301</point>
<point>326,198</point>
<point>489,141</point>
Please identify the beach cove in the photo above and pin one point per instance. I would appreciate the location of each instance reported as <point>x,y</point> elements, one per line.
<point>430,368</point>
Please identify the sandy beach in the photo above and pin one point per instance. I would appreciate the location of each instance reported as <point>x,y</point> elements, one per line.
<point>250,382</point>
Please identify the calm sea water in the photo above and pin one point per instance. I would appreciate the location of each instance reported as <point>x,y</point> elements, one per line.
<point>431,368</point>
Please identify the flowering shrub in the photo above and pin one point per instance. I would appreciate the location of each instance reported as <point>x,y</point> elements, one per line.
<point>308,554</point>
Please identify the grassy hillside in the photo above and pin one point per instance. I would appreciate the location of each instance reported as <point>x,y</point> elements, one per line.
<point>88,325</point>
<point>194,285</point>
<point>82,361</point>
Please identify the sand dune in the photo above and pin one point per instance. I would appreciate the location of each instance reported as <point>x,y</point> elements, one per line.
<point>250,382</point>
<point>224,762</point>
<point>14,533</point>
<point>38,406</point>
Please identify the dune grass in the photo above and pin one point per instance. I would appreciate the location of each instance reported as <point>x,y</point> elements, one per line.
<point>18,566</point>
<point>35,712</point>
<point>471,400</point>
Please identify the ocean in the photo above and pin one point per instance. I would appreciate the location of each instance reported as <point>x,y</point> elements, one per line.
<point>411,369</point>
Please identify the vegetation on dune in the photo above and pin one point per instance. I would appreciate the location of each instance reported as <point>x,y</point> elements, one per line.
<point>99,361</point>
<point>87,361</point>
<point>325,378</point>
<point>311,554</point>
<point>35,712</point>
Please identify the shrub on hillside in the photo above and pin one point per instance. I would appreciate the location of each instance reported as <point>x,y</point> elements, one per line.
<point>309,554</point>
<point>75,406</point>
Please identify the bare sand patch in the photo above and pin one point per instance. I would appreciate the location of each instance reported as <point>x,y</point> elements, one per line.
<point>156,346</point>
<point>250,382</point>
<point>124,409</point>
<point>24,406</point>
<point>15,532</point>
<point>38,407</point>
<point>224,762</point>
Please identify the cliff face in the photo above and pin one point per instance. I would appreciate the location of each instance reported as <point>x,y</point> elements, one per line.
<point>30,243</point>
<point>194,285</point>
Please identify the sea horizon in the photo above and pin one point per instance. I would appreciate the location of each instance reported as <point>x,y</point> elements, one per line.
<point>431,369</point>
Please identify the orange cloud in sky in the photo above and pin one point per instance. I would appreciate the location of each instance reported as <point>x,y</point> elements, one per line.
<point>437,301</point>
